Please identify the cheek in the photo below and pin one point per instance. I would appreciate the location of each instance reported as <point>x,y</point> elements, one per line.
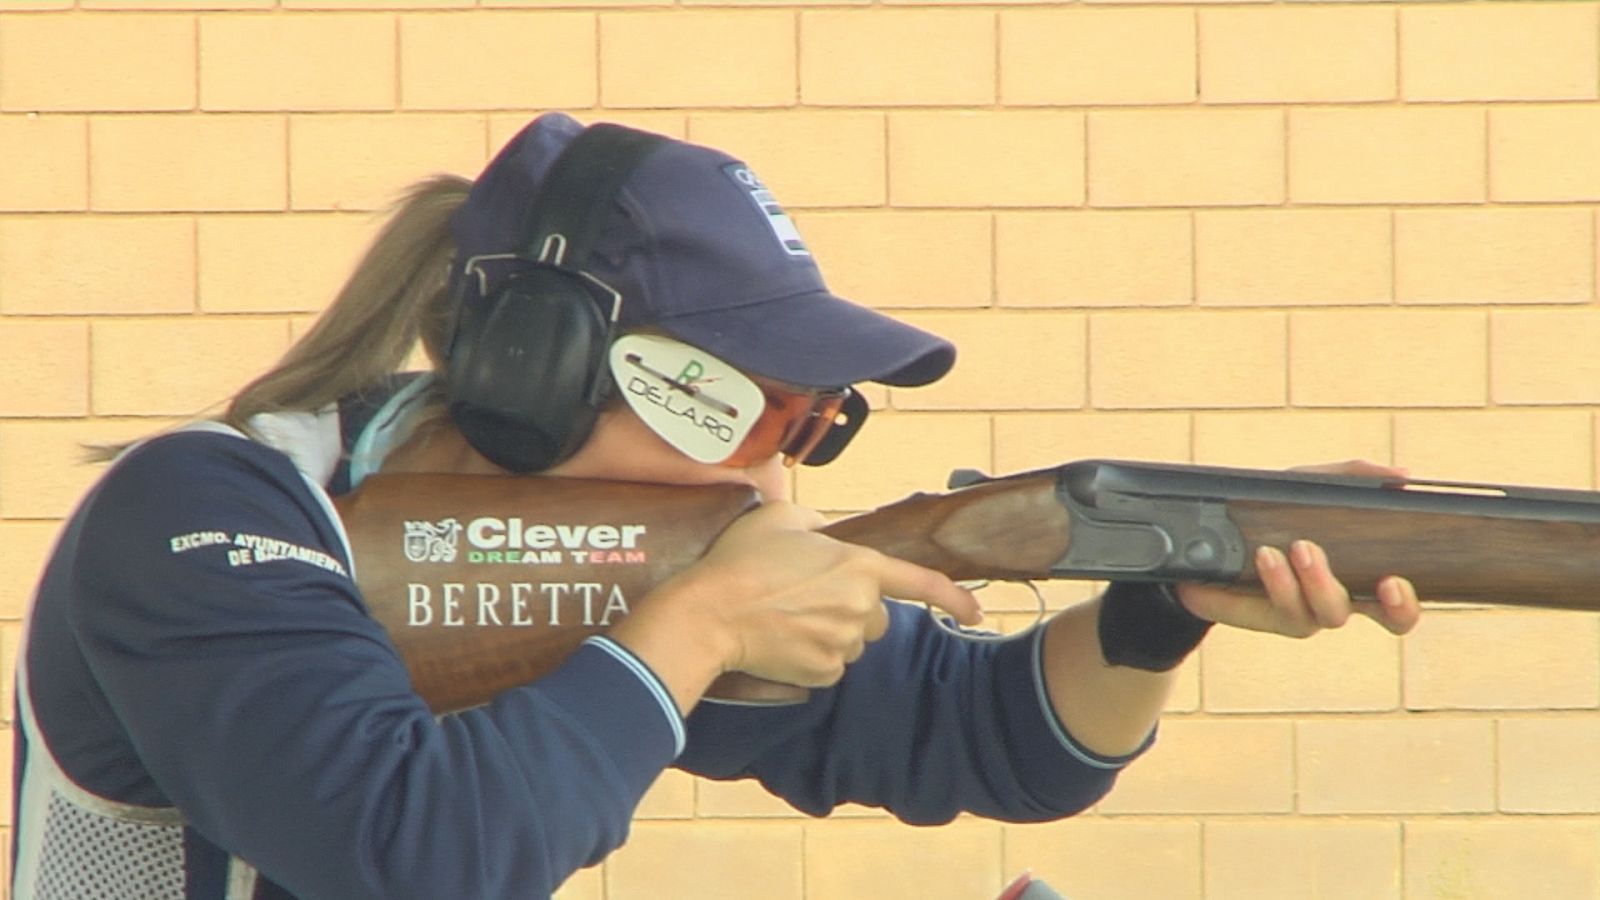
<point>623,448</point>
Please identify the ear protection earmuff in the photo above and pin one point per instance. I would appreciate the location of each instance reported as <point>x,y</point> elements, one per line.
<point>527,372</point>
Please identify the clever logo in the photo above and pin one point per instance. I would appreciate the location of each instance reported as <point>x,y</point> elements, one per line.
<point>783,227</point>
<point>432,541</point>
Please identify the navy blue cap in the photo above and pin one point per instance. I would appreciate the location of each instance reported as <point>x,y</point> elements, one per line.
<point>699,249</point>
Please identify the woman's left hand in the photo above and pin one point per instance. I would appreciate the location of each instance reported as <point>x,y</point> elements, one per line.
<point>1302,594</point>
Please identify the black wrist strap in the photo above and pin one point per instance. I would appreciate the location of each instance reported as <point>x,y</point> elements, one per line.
<point>1144,626</point>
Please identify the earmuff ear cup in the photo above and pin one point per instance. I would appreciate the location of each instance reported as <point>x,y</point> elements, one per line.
<point>523,369</point>
<point>527,374</point>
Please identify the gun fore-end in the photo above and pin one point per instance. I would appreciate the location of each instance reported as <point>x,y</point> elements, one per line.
<point>1455,542</point>
<point>1107,520</point>
<point>1054,523</point>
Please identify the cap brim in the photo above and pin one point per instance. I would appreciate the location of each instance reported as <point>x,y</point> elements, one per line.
<point>817,340</point>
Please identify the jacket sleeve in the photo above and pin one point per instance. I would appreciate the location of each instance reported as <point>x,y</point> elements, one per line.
<point>214,606</point>
<point>926,725</point>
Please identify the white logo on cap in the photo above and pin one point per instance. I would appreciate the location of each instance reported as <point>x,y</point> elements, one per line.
<point>782,226</point>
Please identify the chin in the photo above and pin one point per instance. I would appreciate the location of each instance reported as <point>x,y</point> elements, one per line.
<point>683,472</point>
<point>770,480</point>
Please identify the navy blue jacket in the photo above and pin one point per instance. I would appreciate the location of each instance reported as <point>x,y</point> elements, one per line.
<point>221,724</point>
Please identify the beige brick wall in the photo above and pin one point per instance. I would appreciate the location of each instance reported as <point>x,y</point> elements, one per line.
<point>1240,232</point>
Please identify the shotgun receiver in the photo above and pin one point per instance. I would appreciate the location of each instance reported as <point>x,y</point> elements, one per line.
<point>487,582</point>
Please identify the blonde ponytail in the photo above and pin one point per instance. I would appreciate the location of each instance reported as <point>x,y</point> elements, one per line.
<point>396,296</point>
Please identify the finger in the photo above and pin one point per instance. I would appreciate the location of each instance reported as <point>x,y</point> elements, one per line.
<point>1278,578</point>
<point>1324,596</point>
<point>877,624</point>
<point>1273,569</point>
<point>1396,606</point>
<point>854,651</point>
<point>1363,467</point>
<point>909,581</point>
<point>823,676</point>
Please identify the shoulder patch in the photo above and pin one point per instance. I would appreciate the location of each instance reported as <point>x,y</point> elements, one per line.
<point>246,549</point>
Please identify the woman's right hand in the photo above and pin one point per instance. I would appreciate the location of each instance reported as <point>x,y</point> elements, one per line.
<point>774,598</point>
<point>799,606</point>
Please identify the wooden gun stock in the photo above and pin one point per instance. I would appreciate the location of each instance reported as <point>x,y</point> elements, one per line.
<point>485,583</point>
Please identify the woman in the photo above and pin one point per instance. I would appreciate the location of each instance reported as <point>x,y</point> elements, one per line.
<point>208,710</point>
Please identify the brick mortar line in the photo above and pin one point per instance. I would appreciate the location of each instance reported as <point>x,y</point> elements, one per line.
<point>1590,205</point>
<point>1594,239</point>
<point>970,313</point>
<point>597,82</point>
<point>910,108</point>
<point>88,358</point>
<point>1328,818</point>
<point>1399,55</point>
<point>397,80</point>
<point>1198,99</point>
<point>194,36</point>
<point>1218,310</point>
<point>1193,221</point>
<point>1087,172</point>
<point>797,92</point>
<point>1488,158</point>
<point>1529,206</point>
<point>997,31</point>
<point>1292,717</point>
<point>1202,410</point>
<point>1286,157</point>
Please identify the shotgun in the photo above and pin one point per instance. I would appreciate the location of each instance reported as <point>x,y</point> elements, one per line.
<point>487,582</point>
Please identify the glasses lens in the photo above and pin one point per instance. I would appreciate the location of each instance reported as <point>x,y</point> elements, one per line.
<point>808,429</point>
<point>846,423</point>
<point>791,423</point>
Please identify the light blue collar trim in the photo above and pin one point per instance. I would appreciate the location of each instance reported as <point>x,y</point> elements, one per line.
<point>389,428</point>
